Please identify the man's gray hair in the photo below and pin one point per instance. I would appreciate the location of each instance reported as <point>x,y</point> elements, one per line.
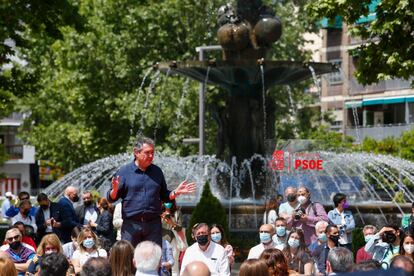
<point>341,259</point>
<point>198,226</point>
<point>147,256</point>
<point>143,140</point>
<point>369,226</point>
<point>321,223</point>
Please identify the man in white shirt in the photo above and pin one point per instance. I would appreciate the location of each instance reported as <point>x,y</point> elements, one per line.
<point>87,212</point>
<point>6,204</point>
<point>266,232</point>
<point>280,237</point>
<point>210,253</point>
<point>287,209</point>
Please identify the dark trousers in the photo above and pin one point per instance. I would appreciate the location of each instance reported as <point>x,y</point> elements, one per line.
<point>137,231</point>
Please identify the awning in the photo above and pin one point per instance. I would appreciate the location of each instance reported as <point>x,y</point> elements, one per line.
<point>372,15</point>
<point>333,24</point>
<point>379,101</point>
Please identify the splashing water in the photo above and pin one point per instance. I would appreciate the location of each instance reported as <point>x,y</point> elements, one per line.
<point>315,80</point>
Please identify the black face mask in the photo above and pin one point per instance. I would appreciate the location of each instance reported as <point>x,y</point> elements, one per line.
<point>44,207</point>
<point>15,245</point>
<point>75,198</point>
<point>26,212</point>
<point>335,239</point>
<point>291,197</point>
<point>87,203</point>
<point>202,240</point>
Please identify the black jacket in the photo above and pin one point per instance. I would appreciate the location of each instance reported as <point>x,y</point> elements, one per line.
<point>55,212</point>
<point>81,210</point>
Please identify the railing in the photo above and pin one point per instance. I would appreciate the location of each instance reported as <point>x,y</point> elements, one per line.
<point>378,132</point>
<point>397,84</point>
<point>14,151</point>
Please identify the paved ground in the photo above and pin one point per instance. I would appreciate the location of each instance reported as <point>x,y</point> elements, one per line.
<point>235,269</point>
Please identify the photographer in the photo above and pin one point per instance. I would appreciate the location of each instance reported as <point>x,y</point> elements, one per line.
<point>287,209</point>
<point>384,245</point>
<point>307,215</point>
<point>343,219</point>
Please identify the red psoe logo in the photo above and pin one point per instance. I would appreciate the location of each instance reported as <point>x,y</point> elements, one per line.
<point>278,160</point>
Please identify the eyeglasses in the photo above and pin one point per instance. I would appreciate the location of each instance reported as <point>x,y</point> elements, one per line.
<point>11,239</point>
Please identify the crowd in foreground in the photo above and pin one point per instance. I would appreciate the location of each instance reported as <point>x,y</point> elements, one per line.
<point>297,237</point>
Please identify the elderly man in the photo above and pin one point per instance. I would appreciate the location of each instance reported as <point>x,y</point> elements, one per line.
<point>196,268</point>
<point>206,251</point>
<point>320,228</point>
<point>307,215</point>
<point>288,209</point>
<point>362,255</point>
<point>69,218</point>
<point>19,253</point>
<point>340,260</point>
<point>266,232</point>
<point>147,258</point>
<point>141,186</point>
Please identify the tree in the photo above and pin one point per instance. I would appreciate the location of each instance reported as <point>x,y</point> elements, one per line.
<point>208,210</point>
<point>387,50</point>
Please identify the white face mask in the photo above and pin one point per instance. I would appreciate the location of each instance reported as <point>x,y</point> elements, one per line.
<point>302,199</point>
<point>409,248</point>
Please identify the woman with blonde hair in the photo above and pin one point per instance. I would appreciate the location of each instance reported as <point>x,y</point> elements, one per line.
<point>121,258</point>
<point>87,248</point>
<point>50,243</point>
<point>7,267</point>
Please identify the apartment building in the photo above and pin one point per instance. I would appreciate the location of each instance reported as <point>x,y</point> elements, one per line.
<point>20,169</point>
<point>380,110</point>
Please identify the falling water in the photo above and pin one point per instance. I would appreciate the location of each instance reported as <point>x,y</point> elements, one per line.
<point>159,105</point>
<point>356,122</point>
<point>135,107</point>
<point>292,105</point>
<point>263,101</point>
<point>232,180</point>
<point>152,85</point>
<point>315,80</point>
<point>247,164</point>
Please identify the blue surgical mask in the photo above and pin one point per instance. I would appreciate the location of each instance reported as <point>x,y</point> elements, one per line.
<point>88,243</point>
<point>168,205</point>
<point>281,231</point>
<point>368,237</point>
<point>322,237</point>
<point>265,237</point>
<point>216,237</point>
<point>294,243</point>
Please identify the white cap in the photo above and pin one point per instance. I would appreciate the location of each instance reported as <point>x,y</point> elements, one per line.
<point>8,194</point>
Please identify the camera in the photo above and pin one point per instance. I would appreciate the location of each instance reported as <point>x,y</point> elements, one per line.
<point>298,213</point>
<point>389,237</point>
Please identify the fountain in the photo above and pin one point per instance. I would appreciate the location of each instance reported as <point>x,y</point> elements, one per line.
<point>242,179</point>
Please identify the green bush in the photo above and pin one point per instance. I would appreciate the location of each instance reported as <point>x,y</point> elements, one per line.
<point>358,240</point>
<point>208,210</point>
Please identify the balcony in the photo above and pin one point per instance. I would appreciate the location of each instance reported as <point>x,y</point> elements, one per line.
<point>388,85</point>
<point>377,132</point>
<point>20,154</point>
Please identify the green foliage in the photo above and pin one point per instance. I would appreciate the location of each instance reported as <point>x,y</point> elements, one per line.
<point>388,48</point>
<point>208,210</point>
<point>399,197</point>
<point>330,140</point>
<point>358,240</point>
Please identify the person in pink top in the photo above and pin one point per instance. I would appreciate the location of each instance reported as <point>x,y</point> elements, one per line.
<point>307,215</point>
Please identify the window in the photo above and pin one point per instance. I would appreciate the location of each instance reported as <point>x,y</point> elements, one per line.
<point>335,77</point>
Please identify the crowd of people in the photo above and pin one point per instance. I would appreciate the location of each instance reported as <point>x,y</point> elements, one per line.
<point>143,233</point>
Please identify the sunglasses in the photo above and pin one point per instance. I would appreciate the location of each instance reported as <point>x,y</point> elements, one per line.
<point>11,239</point>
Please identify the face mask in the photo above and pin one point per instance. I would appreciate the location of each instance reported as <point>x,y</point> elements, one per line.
<point>75,198</point>
<point>302,199</point>
<point>88,243</point>
<point>291,197</point>
<point>50,251</point>
<point>26,212</point>
<point>44,207</point>
<point>322,237</point>
<point>368,237</point>
<point>294,243</point>
<point>15,245</point>
<point>216,237</point>
<point>265,237</point>
<point>87,203</point>
<point>409,248</point>
<point>168,205</point>
<point>346,205</point>
<point>202,240</point>
<point>281,231</point>
<point>335,239</point>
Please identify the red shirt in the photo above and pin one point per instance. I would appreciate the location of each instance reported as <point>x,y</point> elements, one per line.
<point>362,255</point>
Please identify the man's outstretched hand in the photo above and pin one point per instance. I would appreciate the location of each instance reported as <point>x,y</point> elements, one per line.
<point>186,188</point>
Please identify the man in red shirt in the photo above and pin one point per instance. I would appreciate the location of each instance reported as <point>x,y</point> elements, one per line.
<point>362,255</point>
